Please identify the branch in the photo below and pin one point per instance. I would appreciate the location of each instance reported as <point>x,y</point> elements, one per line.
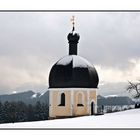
<point>135,87</point>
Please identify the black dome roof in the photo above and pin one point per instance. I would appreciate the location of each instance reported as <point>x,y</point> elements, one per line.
<point>73,71</point>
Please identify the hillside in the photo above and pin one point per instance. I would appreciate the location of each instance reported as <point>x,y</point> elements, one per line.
<point>28,97</point>
<point>114,100</point>
<point>124,119</point>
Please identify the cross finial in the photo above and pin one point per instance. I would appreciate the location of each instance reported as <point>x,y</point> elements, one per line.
<point>73,22</point>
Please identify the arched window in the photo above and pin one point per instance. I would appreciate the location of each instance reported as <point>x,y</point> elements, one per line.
<point>62,100</point>
<point>80,100</point>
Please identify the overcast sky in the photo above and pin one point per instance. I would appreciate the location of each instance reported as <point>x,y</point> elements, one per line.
<point>30,43</point>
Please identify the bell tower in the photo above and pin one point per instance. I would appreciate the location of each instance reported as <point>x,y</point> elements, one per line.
<point>73,39</point>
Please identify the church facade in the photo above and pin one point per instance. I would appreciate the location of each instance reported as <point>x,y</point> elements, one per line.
<point>72,102</point>
<point>73,83</point>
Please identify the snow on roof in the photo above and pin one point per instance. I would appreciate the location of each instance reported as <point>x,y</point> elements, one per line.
<point>80,62</point>
<point>77,61</point>
<point>65,60</point>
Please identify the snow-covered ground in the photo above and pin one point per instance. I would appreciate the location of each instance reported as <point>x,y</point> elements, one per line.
<point>124,119</point>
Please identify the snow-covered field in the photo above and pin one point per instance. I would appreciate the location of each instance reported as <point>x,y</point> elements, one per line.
<point>124,119</point>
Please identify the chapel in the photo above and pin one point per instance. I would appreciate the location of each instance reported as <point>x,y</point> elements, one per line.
<point>73,83</point>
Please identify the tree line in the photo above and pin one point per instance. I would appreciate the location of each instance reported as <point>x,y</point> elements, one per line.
<point>11,112</point>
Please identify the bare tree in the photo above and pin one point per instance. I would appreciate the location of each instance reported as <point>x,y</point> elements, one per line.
<point>134,86</point>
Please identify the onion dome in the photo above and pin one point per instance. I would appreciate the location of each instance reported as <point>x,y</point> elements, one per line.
<point>73,71</point>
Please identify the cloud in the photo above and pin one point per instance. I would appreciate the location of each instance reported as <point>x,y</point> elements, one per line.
<point>30,43</point>
<point>113,75</point>
<point>114,38</point>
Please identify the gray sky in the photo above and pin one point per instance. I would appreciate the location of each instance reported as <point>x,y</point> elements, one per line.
<point>30,43</point>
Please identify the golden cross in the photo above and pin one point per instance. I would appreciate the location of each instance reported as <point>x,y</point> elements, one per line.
<point>72,20</point>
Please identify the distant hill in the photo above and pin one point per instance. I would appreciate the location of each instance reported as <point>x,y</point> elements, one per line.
<point>114,100</point>
<point>28,97</point>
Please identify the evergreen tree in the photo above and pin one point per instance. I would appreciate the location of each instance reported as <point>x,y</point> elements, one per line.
<point>12,112</point>
<point>38,111</point>
<point>6,111</point>
<point>45,108</point>
<point>1,113</point>
<point>21,112</point>
<point>30,113</point>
